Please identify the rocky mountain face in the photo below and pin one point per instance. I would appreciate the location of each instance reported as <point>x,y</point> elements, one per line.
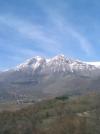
<point>56,64</point>
<point>39,77</point>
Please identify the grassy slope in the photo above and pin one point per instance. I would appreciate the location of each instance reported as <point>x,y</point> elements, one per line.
<point>69,116</point>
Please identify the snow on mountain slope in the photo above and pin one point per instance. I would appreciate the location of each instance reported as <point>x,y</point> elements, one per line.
<point>33,63</point>
<point>97,64</point>
<point>59,63</point>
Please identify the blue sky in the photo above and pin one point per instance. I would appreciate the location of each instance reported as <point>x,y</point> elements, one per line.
<point>47,28</point>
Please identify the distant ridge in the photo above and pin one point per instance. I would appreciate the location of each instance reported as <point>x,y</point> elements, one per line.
<point>39,78</point>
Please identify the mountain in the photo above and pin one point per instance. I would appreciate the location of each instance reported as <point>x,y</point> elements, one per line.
<point>39,78</point>
<point>56,64</point>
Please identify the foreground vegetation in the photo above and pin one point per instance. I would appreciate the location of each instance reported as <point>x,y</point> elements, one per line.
<point>62,115</point>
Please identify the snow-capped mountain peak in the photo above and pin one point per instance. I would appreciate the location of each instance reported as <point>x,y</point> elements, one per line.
<point>33,63</point>
<point>59,63</point>
<point>61,56</point>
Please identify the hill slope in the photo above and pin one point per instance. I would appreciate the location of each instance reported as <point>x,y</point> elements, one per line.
<point>40,78</point>
<point>56,116</point>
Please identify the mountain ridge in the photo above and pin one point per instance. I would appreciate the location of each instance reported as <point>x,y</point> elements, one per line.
<point>58,60</point>
<point>39,77</point>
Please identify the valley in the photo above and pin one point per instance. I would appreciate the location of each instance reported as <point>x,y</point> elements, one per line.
<point>61,115</point>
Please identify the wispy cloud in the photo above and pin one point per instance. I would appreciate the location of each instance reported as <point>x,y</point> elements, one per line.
<point>65,28</point>
<point>32,31</point>
<point>47,28</point>
<point>49,41</point>
<point>62,24</point>
<point>84,44</point>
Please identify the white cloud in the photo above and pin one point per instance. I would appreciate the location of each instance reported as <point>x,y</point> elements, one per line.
<point>84,44</point>
<point>65,28</point>
<point>33,32</point>
<point>62,24</point>
<point>49,41</point>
